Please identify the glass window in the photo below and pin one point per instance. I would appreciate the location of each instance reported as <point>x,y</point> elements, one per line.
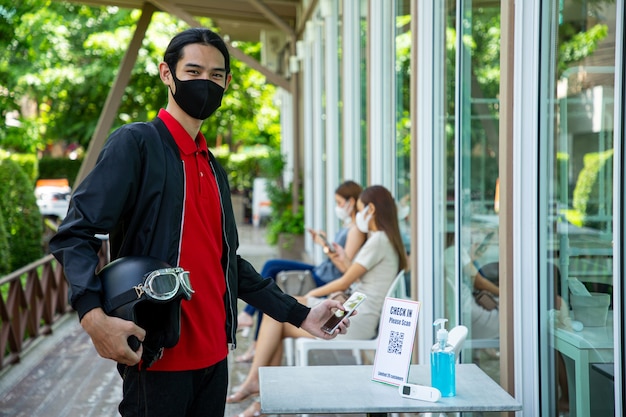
<point>576,278</point>
<point>363,77</point>
<point>352,105</point>
<point>471,251</point>
<point>403,117</point>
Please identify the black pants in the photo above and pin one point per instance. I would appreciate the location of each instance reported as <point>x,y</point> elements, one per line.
<point>195,393</point>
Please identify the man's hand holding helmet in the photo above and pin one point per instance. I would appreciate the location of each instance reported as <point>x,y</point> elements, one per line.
<point>142,300</point>
<point>110,336</point>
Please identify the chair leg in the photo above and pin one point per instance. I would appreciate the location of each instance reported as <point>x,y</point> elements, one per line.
<point>357,356</point>
<point>288,349</point>
<point>303,357</point>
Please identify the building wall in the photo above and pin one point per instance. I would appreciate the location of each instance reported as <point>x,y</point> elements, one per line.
<point>450,104</point>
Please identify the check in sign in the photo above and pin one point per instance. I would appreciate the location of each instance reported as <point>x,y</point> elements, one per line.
<point>398,325</point>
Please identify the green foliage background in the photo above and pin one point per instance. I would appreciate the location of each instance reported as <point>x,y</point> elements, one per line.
<point>62,58</point>
<point>22,219</point>
<point>5,266</point>
<point>58,62</point>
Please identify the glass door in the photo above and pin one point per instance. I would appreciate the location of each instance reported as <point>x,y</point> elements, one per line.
<point>471,249</point>
<point>576,207</point>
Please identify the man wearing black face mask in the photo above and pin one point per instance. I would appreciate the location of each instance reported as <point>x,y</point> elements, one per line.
<point>158,191</point>
<point>198,98</point>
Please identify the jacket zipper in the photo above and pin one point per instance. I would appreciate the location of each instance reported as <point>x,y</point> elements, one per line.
<point>182,218</point>
<point>233,345</point>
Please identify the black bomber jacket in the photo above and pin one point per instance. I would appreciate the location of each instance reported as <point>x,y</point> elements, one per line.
<point>135,195</point>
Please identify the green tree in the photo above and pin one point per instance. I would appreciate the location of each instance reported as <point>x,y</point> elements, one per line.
<point>247,115</point>
<point>62,59</point>
<point>50,66</point>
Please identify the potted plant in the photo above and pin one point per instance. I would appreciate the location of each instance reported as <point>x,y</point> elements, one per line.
<point>286,225</point>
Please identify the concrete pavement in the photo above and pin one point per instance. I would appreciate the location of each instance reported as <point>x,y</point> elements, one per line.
<point>61,375</point>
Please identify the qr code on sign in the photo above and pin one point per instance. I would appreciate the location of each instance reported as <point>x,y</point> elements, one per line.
<point>395,342</point>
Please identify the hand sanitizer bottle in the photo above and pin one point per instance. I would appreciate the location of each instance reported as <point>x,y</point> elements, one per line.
<point>442,362</point>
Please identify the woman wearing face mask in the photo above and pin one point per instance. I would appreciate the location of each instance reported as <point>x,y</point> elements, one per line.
<point>372,271</point>
<point>347,243</point>
<point>377,263</point>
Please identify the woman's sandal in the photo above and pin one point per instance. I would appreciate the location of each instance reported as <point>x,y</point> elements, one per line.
<point>239,396</point>
<point>244,321</point>
<point>245,358</point>
<point>253,411</point>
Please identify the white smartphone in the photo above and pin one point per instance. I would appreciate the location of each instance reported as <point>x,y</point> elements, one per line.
<point>350,305</point>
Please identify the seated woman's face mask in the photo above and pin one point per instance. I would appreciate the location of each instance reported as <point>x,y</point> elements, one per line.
<point>362,222</point>
<point>343,212</point>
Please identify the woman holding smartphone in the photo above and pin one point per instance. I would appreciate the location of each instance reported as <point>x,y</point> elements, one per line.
<point>347,243</point>
<point>371,273</point>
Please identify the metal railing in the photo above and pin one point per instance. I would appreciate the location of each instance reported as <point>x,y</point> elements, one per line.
<point>32,299</point>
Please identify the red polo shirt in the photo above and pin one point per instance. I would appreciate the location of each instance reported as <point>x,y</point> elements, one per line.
<point>203,320</point>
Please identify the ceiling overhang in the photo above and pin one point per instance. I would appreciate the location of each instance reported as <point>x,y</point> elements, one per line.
<point>240,20</point>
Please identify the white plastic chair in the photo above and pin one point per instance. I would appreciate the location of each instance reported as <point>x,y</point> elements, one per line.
<point>304,344</point>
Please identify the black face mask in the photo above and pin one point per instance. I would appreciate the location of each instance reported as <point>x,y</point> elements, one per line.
<point>198,98</point>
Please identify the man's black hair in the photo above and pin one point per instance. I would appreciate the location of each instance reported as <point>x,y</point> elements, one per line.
<point>174,50</point>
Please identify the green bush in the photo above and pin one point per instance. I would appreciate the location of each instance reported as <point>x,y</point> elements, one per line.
<point>22,219</point>
<point>5,267</point>
<point>283,219</point>
<point>53,168</point>
<point>250,163</point>
<point>28,162</point>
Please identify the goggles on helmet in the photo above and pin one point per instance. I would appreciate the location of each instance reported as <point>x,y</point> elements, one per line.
<point>165,284</point>
<point>160,285</point>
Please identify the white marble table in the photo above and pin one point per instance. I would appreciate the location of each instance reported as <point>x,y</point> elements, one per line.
<point>350,389</point>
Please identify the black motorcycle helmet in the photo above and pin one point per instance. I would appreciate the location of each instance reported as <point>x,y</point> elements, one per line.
<point>123,297</point>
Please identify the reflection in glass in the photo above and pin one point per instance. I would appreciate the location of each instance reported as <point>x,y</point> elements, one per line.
<point>471,252</point>
<point>576,226</point>
<point>363,74</point>
<point>403,117</point>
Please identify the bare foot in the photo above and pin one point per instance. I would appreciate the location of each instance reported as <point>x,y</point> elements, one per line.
<point>243,393</point>
<point>253,411</point>
<point>247,356</point>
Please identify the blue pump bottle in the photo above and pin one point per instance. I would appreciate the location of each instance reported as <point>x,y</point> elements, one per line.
<point>442,362</point>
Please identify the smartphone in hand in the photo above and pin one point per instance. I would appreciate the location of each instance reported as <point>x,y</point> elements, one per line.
<point>327,244</point>
<point>350,305</point>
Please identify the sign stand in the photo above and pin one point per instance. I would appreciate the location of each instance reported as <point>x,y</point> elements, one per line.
<point>398,325</point>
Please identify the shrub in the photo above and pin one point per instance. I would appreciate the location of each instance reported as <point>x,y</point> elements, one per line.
<point>22,219</point>
<point>28,162</point>
<point>283,219</point>
<point>249,163</point>
<point>5,267</point>
<point>51,168</point>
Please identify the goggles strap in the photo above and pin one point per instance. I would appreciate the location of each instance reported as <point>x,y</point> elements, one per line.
<point>126,297</point>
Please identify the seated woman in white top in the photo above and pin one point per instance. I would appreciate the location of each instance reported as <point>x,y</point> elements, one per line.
<point>372,272</point>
